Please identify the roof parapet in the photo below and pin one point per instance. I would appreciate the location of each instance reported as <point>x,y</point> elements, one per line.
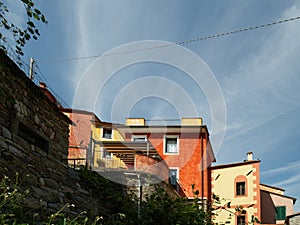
<point>135,122</point>
<point>192,121</point>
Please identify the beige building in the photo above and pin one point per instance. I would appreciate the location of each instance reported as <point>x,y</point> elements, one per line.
<point>239,188</point>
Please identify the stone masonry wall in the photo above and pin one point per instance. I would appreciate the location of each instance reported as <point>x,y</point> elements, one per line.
<point>34,144</point>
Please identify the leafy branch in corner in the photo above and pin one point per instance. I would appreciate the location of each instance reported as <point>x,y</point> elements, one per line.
<point>21,35</point>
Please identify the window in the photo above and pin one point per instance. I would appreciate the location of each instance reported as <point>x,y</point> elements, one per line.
<point>171,145</point>
<point>32,137</point>
<point>173,178</point>
<point>240,188</point>
<point>241,220</point>
<point>280,212</point>
<point>139,138</point>
<point>107,133</point>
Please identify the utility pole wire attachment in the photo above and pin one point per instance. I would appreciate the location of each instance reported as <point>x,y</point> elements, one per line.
<point>31,69</point>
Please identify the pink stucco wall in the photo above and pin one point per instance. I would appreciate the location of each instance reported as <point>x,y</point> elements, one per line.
<point>283,201</point>
<point>268,203</point>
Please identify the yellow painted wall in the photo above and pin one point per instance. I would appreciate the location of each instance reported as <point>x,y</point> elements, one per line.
<point>114,162</point>
<point>98,134</point>
<point>224,187</point>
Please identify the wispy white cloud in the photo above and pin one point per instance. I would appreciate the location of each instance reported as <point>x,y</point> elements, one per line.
<point>291,180</point>
<point>288,168</point>
<point>265,84</point>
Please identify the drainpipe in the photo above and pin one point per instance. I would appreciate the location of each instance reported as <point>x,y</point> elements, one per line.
<point>87,154</point>
<point>90,152</point>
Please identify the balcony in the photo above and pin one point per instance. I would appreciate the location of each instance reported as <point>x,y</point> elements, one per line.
<point>124,155</point>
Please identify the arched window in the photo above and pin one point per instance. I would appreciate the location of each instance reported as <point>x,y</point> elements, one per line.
<point>240,186</point>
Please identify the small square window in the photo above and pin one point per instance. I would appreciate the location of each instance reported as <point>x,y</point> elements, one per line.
<point>240,188</point>
<point>141,138</point>
<point>171,145</point>
<point>107,133</point>
<point>32,137</point>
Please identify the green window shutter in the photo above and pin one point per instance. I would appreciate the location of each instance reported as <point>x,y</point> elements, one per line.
<point>280,212</point>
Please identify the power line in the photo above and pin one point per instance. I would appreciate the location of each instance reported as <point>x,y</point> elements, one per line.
<point>42,78</point>
<point>175,43</point>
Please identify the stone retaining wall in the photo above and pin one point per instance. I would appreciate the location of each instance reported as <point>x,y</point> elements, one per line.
<point>34,144</point>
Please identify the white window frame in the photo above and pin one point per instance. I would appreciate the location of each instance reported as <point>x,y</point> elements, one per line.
<point>102,133</point>
<point>177,176</point>
<point>165,142</point>
<point>139,136</point>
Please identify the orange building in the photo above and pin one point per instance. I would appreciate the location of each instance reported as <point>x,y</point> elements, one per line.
<point>185,148</point>
<point>179,154</point>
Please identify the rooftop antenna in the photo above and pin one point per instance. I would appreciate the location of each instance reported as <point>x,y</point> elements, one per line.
<point>31,72</point>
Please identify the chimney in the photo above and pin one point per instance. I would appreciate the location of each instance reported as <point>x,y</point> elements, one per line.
<point>43,85</point>
<point>191,121</point>
<point>135,122</point>
<point>249,156</point>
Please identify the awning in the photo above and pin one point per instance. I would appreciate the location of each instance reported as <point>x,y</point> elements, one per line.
<point>125,150</point>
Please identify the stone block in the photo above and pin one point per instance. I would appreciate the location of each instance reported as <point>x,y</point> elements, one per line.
<point>51,183</point>
<point>5,133</point>
<point>14,151</point>
<point>31,203</point>
<point>42,181</point>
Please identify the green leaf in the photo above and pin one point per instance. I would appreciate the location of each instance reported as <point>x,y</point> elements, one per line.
<point>37,32</point>
<point>37,11</point>
<point>31,24</point>
<point>18,48</point>
<point>31,30</point>
<point>193,186</point>
<point>36,16</point>
<point>29,13</point>
<point>43,19</point>
<point>27,36</point>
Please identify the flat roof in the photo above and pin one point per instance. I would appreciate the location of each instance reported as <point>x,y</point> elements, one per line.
<point>162,129</point>
<point>235,164</point>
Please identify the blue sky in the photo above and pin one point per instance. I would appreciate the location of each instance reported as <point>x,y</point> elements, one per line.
<point>258,71</point>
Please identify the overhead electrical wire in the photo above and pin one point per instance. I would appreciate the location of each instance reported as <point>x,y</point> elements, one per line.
<point>42,78</point>
<point>175,43</point>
